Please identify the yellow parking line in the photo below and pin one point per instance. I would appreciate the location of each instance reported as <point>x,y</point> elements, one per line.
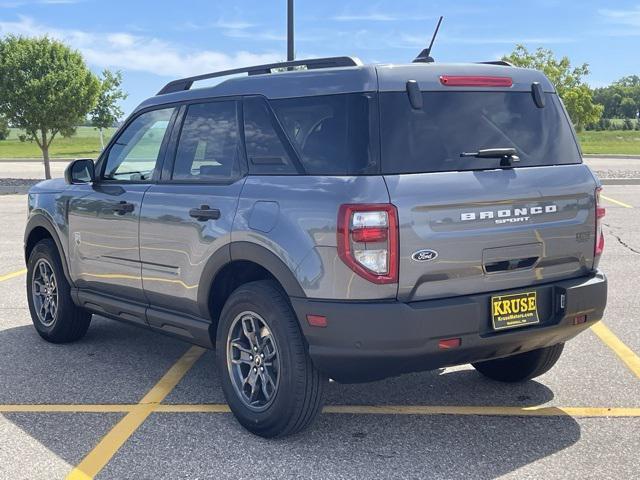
<point>112,441</point>
<point>434,410</point>
<point>194,408</point>
<point>484,410</point>
<point>10,275</point>
<point>627,355</point>
<point>617,202</point>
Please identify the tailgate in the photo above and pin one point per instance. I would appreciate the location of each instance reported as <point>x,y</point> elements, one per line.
<point>480,231</point>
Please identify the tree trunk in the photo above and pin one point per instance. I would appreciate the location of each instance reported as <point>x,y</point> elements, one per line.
<point>45,154</point>
<point>45,157</point>
<point>101,138</point>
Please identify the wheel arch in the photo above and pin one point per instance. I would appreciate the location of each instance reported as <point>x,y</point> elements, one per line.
<point>239,263</point>
<point>38,228</point>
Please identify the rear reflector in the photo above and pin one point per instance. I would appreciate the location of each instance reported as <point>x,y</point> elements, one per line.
<point>579,319</point>
<point>475,81</point>
<point>317,320</point>
<point>370,234</point>
<point>449,343</point>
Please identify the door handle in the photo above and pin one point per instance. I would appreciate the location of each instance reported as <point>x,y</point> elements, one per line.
<point>204,213</point>
<point>123,207</point>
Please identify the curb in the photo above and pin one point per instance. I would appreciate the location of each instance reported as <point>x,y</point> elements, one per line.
<point>620,181</point>
<point>610,155</point>
<point>14,189</point>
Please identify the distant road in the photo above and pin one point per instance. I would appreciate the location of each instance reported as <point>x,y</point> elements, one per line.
<point>606,167</point>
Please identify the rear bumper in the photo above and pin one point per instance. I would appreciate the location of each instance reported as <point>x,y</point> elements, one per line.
<point>371,340</point>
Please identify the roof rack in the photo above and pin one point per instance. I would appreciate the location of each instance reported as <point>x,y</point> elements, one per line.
<point>311,64</point>
<point>497,62</point>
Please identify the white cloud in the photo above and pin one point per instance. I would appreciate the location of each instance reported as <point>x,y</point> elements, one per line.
<point>137,52</point>
<point>630,17</point>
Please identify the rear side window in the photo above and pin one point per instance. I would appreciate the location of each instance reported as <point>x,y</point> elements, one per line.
<point>431,139</point>
<point>209,144</point>
<point>333,134</point>
<point>267,150</point>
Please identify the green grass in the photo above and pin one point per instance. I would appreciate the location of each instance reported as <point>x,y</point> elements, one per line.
<point>616,141</point>
<point>85,143</point>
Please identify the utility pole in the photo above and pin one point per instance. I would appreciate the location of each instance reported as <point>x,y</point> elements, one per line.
<point>290,51</point>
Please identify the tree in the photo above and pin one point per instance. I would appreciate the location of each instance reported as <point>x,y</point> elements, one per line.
<point>628,108</point>
<point>4,128</point>
<point>45,89</point>
<point>107,111</point>
<point>621,99</point>
<point>575,93</point>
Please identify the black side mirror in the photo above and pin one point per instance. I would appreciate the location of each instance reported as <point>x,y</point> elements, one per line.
<point>80,171</point>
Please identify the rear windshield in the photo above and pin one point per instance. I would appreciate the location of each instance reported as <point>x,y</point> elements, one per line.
<point>431,139</point>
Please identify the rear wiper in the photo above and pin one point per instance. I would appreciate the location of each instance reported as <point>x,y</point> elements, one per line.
<point>506,155</point>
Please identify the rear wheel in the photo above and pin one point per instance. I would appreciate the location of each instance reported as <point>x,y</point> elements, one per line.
<point>268,379</point>
<point>522,366</point>
<point>56,318</point>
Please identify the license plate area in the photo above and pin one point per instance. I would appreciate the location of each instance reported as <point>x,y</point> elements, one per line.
<point>514,310</point>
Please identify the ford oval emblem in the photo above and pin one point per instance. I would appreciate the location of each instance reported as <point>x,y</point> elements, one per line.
<point>424,255</point>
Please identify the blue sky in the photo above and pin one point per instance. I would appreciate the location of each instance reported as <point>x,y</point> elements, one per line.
<point>154,42</point>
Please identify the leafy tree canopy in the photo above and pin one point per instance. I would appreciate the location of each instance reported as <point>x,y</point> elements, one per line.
<point>567,79</point>
<point>107,110</point>
<point>45,89</point>
<point>621,99</point>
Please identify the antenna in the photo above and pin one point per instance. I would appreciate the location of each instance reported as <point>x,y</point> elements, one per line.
<point>424,56</point>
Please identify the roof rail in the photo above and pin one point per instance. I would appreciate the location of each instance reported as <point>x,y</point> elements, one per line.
<point>311,64</point>
<point>497,62</point>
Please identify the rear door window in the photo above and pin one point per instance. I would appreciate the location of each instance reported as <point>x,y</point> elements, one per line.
<point>209,144</point>
<point>431,139</point>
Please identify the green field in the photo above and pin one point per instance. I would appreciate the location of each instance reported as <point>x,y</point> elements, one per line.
<point>616,141</point>
<point>86,143</point>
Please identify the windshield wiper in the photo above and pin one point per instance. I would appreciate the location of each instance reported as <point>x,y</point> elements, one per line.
<point>506,155</point>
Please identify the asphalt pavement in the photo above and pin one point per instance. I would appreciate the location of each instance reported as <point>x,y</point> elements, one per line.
<point>88,404</point>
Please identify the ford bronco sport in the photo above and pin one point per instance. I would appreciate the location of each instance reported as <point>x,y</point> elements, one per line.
<point>325,219</point>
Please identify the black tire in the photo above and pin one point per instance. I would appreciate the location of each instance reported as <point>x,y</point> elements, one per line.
<point>69,323</point>
<point>299,392</point>
<point>522,366</point>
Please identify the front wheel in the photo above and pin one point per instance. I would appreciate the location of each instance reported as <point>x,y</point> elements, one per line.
<point>522,366</point>
<point>56,318</point>
<point>268,379</point>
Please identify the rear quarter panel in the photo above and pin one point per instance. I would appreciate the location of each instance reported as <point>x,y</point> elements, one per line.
<point>295,217</point>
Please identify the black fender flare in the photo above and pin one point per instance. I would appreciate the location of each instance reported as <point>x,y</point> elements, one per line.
<point>252,252</point>
<point>270,261</point>
<point>40,220</point>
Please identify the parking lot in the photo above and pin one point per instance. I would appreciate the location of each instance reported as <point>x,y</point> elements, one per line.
<point>127,403</point>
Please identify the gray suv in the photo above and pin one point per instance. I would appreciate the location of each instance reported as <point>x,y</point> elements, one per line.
<point>325,219</point>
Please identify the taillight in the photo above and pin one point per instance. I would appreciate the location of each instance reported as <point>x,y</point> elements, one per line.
<point>600,212</point>
<point>368,240</point>
<point>475,81</point>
